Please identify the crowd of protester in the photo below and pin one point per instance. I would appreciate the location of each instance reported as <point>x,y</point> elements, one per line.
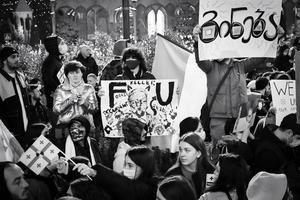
<point>260,163</point>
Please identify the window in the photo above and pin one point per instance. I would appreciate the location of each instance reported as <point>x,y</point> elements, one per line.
<point>156,21</point>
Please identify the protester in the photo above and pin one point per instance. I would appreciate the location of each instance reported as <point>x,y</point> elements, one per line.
<point>57,48</point>
<point>175,188</point>
<point>134,134</point>
<point>191,124</point>
<point>274,151</point>
<point>92,80</point>
<point>192,162</point>
<point>79,143</point>
<point>86,59</point>
<point>14,185</point>
<point>84,189</point>
<point>137,181</point>
<point>114,67</point>
<point>74,97</point>
<point>134,65</point>
<point>267,186</point>
<point>236,142</point>
<point>232,178</point>
<point>14,99</point>
<point>233,91</point>
<point>283,61</point>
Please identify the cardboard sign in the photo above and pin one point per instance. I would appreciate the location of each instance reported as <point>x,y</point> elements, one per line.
<point>238,28</point>
<point>153,102</point>
<point>284,98</point>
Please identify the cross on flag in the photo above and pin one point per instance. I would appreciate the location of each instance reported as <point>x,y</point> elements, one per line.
<point>39,154</point>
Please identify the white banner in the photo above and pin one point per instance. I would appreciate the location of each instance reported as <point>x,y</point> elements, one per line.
<point>238,28</point>
<point>153,102</point>
<point>283,97</point>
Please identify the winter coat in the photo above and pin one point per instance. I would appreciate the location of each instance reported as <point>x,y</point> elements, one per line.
<point>274,156</point>
<point>199,177</point>
<point>10,106</point>
<point>90,64</point>
<point>50,68</point>
<point>120,187</point>
<point>233,92</point>
<point>66,110</point>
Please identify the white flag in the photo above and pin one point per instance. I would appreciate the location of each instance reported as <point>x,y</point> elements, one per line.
<point>39,155</point>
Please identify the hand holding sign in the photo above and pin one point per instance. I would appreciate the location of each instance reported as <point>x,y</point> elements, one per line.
<point>196,32</point>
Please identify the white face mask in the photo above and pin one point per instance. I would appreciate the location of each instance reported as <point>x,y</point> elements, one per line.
<point>63,49</point>
<point>129,173</point>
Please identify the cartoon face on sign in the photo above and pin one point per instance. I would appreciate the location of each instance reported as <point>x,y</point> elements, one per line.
<point>138,101</point>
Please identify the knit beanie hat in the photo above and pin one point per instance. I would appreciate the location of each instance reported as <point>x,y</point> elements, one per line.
<point>6,52</point>
<point>51,44</point>
<point>84,122</point>
<point>261,83</point>
<point>132,130</point>
<point>267,186</point>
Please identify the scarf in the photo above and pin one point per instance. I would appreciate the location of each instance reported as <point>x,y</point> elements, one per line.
<point>70,149</point>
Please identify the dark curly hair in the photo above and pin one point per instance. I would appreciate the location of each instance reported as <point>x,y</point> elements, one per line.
<point>72,66</point>
<point>134,52</point>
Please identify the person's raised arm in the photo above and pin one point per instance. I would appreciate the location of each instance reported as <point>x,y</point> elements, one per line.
<point>204,65</point>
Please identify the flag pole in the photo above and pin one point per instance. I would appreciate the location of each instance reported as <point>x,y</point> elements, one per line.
<point>75,164</point>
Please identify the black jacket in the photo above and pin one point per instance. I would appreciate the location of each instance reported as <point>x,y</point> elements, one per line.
<point>121,188</point>
<point>50,68</point>
<point>10,106</point>
<point>199,177</point>
<point>90,64</point>
<point>274,156</point>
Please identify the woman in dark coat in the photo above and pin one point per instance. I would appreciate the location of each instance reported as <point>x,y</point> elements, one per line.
<point>136,183</point>
<point>192,162</point>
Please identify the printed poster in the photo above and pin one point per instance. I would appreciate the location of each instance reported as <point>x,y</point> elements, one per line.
<point>153,102</point>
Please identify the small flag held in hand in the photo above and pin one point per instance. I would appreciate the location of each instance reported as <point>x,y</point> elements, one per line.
<point>39,154</point>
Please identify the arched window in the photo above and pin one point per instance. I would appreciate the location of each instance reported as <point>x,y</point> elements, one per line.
<point>151,23</point>
<point>156,21</point>
<point>160,24</point>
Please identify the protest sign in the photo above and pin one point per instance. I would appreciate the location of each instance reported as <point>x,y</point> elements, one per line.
<point>247,113</point>
<point>283,97</point>
<point>238,28</point>
<point>39,154</point>
<point>153,102</point>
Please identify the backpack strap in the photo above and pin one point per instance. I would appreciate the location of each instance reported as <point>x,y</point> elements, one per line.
<point>218,88</point>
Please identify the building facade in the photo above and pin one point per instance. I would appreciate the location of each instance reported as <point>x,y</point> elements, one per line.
<point>146,16</point>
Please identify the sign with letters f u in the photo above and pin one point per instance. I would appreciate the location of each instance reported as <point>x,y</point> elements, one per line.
<point>238,28</point>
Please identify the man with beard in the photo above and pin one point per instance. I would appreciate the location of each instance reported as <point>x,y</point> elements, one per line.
<point>14,101</point>
<point>13,184</point>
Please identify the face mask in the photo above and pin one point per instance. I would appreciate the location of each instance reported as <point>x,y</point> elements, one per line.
<point>77,135</point>
<point>63,49</point>
<point>129,173</point>
<point>132,64</point>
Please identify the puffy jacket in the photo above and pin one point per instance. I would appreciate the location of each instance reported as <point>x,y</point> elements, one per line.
<point>66,110</point>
